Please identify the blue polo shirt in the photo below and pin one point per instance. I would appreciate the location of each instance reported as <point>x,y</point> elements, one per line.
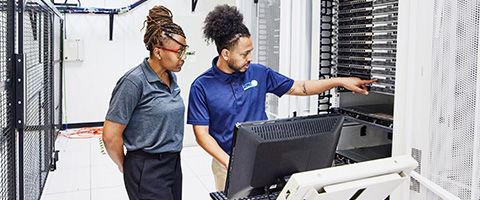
<point>220,100</point>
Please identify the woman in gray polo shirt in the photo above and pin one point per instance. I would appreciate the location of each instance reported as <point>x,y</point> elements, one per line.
<point>146,114</point>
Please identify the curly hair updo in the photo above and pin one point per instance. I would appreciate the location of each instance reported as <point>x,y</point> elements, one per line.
<point>224,25</point>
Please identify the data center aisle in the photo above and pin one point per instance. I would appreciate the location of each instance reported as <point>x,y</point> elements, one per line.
<point>85,172</point>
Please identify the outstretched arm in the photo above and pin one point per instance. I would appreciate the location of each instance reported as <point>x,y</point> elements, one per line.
<point>312,87</point>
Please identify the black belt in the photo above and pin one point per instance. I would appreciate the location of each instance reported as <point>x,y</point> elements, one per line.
<point>143,154</point>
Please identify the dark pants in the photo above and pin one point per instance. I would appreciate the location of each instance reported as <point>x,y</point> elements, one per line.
<point>153,176</point>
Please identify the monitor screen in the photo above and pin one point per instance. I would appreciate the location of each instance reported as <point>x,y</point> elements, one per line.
<point>267,151</point>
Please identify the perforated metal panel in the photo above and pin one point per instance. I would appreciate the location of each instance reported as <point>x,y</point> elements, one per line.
<point>417,155</point>
<point>430,194</point>
<point>296,129</point>
<point>454,157</point>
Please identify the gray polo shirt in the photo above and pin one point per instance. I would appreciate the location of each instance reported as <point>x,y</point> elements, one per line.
<point>153,112</point>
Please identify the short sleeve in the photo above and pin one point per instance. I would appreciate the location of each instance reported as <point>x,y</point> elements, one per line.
<point>277,83</point>
<point>125,98</point>
<point>197,106</point>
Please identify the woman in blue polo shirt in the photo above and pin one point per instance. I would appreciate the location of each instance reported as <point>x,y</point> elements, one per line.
<point>146,114</point>
<point>234,90</point>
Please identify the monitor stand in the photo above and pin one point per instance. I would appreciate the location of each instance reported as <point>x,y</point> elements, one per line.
<point>366,189</point>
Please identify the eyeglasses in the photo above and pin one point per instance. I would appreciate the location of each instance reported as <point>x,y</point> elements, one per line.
<point>181,52</point>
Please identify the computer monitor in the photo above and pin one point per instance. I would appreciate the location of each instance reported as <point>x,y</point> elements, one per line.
<point>369,180</point>
<point>267,151</point>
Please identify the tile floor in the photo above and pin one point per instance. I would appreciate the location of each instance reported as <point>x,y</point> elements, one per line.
<point>85,172</point>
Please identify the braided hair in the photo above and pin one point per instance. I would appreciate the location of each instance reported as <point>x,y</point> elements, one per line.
<point>159,24</point>
<point>224,25</point>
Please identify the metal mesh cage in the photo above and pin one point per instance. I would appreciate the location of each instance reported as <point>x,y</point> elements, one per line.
<point>27,96</point>
<point>7,132</point>
<point>34,93</point>
<point>33,72</point>
<point>454,158</point>
<point>38,68</point>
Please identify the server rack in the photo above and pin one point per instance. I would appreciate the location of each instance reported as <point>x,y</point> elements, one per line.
<point>358,38</point>
<point>355,38</point>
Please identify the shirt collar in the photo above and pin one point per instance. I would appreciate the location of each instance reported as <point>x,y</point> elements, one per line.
<point>150,74</point>
<point>222,75</point>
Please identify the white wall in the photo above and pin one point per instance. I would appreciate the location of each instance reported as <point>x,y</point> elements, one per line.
<point>88,84</point>
<point>296,53</point>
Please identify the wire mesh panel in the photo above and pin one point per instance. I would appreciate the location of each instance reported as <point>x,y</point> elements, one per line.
<point>34,95</point>
<point>39,130</point>
<point>7,132</point>
<point>27,87</point>
<point>454,156</point>
<point>46,142</point>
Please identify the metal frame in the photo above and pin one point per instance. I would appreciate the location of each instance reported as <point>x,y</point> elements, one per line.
<point>111,12</point>
<point>62,35</point>
<point>19,88</point>
<point>19,99</point>
<point>11,62</point>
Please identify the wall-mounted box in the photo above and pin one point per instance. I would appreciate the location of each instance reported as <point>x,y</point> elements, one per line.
<point>73,50</point>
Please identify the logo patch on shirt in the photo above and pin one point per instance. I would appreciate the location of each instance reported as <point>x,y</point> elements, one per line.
<point>250,84</point>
